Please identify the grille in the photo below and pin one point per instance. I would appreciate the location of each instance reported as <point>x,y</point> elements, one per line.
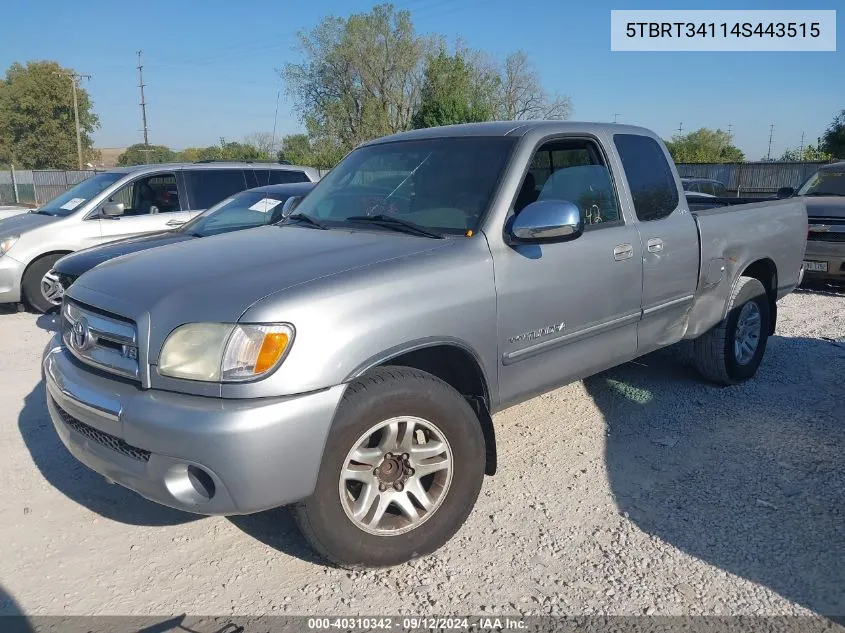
<point>106,341</point>
<point>109,441</point>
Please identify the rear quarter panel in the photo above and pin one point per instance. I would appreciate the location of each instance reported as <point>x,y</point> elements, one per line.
<point>733,238</point>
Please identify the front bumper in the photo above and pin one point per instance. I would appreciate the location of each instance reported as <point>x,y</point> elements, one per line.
<point>831,252</point>
<point>175,449</point>
<point>11,272</point>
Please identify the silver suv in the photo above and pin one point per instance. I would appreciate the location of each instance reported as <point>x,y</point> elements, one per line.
<point>119,203</point>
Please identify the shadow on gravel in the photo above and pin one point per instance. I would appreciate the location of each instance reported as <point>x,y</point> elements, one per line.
<point>277,529</point>
<point>48,322</point>
<point>750,479</point>
<point>79,483</point>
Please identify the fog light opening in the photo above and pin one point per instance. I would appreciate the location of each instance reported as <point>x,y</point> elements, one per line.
<point>201,481</point>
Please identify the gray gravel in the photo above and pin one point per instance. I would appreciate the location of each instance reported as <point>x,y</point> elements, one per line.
<point>638,491</point>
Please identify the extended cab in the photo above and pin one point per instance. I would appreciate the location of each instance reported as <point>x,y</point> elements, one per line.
<point>348,360</point>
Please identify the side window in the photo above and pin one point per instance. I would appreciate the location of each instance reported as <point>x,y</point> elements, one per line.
<point>575,171</point>
<point>283,176</point>
<point>649,176</point>
<point>207,187</point>
<point>145,196</point>
<point>707,187</point>
<point>719,190</point>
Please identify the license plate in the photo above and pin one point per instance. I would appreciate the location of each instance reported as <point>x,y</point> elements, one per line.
<point>818,267</point>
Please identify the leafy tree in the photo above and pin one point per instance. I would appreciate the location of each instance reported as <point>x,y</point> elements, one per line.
<point>138,154</point>
<point>450,93</point>
<point>226,150</point>
<point>704,146</point>
<point>299,149</point>
<point>37,127</point>
<point>263,142</point>
<point>833,140</point>
<point>809,153</point>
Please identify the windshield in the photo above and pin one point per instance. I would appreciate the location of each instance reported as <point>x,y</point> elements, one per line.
<point>443,184</point>
<point>241,211</point>
<point>824,183</point>
<point>75,197</point>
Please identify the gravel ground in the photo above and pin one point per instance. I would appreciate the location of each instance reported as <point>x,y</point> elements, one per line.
<point>638,491</point>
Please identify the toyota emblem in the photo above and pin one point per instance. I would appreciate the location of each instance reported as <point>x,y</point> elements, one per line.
<point>81,335</point>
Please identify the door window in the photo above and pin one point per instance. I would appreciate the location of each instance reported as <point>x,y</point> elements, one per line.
<point>207,187</point>
<point>649,176</point>
<point>149,195</point>
<point>576,171</point>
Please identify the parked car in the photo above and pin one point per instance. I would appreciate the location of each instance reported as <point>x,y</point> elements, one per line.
<point>122,202</point>
<point>706,186</point>
<point>244,210</point>
<point>349,359</point>
<point>824,193</point>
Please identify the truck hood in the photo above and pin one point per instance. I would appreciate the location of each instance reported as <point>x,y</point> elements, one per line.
<point>821,207</point>
<point>82,261</point>
<point>18,224</point>
<point>218,278</point>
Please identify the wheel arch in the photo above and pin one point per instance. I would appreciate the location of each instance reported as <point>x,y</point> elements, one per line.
<point>455,363</point>
<point>765,271</point>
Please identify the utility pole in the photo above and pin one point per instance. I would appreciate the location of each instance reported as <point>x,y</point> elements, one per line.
<point>730,133</point>
<point>615,114</point>
<point>771,130</point>
<point>74,79</point>
<point>681,128</point>
<point>143,106</point>
<point>801,151</point>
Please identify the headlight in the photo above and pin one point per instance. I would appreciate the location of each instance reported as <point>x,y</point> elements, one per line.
<point>215,352</point>
<point>8,242</point>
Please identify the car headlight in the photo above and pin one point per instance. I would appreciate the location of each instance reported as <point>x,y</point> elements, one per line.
<point>8,242</point>
<point>224,352</point>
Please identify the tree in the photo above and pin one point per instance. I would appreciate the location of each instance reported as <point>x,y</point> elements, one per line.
<point>263,142</point>
<point>704,146</point>
<point>833,140</point>
<point>360,78</point>
<point>226,150</point>
<point>138,155</point>
<point>299,149</point>
<point>451,93</point>
<point>37,126</point>
<point>521,94</point>
<point>809,153</point>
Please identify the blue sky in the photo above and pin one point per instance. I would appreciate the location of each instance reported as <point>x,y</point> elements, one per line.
<point>210,66</point>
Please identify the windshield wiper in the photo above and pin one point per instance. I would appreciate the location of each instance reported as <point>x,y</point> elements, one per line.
<point>398,224</point>
<point>305,218</point>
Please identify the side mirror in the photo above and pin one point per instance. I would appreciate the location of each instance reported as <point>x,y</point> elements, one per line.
<point>290,205</point>
<point>112,210</point>
<point>785,192</point>
<point>546,221</point>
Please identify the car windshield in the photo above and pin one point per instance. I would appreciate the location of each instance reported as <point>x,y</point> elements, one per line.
<point>824,183</point>
<point>240,211</point>
<point>443,184</point>
<point>78,195</point>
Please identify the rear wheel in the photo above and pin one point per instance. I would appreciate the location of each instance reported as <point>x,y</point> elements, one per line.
<point>40,286</point>
<point>402,469</point>
<point>731,352</point>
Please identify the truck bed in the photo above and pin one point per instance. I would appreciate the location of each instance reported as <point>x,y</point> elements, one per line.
<point>732,238</point>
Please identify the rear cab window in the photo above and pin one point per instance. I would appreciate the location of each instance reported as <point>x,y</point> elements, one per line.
<point>649,176</point>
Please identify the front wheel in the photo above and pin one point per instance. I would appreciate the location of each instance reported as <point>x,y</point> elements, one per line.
<point>402,469</point>
<point>731,352</point>
<point>40,286</point>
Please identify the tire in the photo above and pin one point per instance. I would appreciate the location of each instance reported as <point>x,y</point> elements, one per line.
<point>383,395</point>
<point>715,354</point>
<point>31,284</point>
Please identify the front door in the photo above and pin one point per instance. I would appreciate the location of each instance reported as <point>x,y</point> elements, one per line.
<point>669,238</point>
<point>151,203</point>
<point>568,309</point>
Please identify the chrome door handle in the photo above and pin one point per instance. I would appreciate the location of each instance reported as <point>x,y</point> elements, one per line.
<point>175,222</point>
<point>623,251</point>
<point>654,245</point>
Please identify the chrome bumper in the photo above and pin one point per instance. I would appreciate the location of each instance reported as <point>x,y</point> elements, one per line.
<point>201,455</point>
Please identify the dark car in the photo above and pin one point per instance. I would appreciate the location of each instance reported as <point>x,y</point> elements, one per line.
<point>706,186</point>
<point>243,210</point>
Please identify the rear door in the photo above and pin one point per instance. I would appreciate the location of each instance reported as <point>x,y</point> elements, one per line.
<point>669,238</point>
<point>208,186</point>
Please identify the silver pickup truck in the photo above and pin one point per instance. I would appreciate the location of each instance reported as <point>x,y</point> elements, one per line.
<point>348,360</point>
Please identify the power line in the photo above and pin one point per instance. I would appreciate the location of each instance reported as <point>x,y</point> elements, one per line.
<point>74,79</point>
<point>143,106</point>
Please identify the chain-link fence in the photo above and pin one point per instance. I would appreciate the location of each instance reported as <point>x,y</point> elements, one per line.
<point>34,187</point>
